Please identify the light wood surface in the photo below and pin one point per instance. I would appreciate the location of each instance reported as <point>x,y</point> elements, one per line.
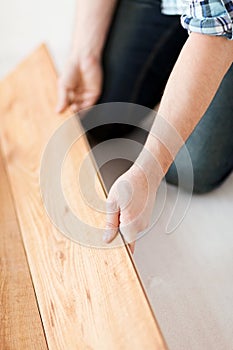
<point>20,323</point>
<point>88,298</point>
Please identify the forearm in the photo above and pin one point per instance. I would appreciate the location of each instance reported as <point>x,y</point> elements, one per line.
<point>198,72</point>
<point>92,22</point>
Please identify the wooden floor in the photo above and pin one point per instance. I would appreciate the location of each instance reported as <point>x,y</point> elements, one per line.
<point>21,325</point>
<point>55,293</point>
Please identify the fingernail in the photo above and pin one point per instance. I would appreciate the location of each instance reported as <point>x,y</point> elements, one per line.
<point>106,237</point>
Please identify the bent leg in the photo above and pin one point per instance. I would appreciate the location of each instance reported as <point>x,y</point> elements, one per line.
<point>211,143</point>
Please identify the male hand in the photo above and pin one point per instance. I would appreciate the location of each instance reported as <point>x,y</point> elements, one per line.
<point>130,203</point>
<point>80,84</point>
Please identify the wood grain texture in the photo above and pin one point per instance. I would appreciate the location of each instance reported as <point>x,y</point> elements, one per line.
<point>88,298</point>
<point>20,323</point>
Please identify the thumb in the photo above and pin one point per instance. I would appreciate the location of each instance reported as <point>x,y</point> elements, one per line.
<point>112,221</point>
<point>63,100</point>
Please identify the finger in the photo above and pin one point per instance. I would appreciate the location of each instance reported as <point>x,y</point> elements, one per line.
<point>71,95</point>
<point>86,104</point>
<point>129,233</point>
<point>79,101</point>
<point>88,101</point>
<point>112,221</point>
<point>74,107</point>
<point>63,100</point>
<point>132,247</point>
<point>131,230</point>
<point>75,96</point>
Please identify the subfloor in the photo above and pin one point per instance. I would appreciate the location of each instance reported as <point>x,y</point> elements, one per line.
<point>188,274</point>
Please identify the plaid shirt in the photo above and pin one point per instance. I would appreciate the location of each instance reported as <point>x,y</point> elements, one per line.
<point>211,17</point>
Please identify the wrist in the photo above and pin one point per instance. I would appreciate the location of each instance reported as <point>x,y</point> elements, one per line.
<point>163,142</point>
<point>150,164</point>
<point>83,53</point>
<point>160,153</point>
<point>89,44</point>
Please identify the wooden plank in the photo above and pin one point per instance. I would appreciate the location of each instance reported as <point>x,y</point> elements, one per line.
<point>88,298</point>
<point>20,323</point>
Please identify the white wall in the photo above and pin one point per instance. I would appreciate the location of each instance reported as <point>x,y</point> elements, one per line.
<point>25,24</point>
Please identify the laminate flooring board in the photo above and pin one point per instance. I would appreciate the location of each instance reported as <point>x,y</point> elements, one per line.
<point>88,298</point>
<point>20,323</point>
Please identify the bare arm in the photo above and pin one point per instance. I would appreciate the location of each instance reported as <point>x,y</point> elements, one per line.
<point>201,66</point>
<point>198,72</point>
<point>91,26</point>
<point>81,81</point>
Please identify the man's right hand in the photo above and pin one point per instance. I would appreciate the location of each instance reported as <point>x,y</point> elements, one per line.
<point>80,84</point>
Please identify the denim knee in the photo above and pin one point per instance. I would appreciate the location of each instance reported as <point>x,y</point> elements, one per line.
<point>203,182</point>
<point>205,177</point>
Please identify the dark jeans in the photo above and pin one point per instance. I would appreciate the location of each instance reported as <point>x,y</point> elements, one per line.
<point>140,52</point>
